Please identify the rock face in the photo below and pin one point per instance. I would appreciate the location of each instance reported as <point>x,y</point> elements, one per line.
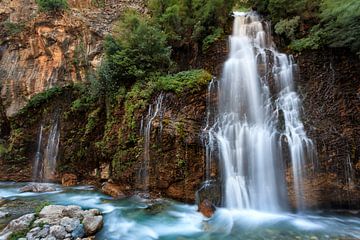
<point>57,222</point>
<point>330,87</point>
<point>69,179</point>
<point>54,50</point>
<point>113,190</point>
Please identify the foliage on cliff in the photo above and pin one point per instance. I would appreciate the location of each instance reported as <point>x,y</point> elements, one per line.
<point>52,5</point>
<point>312,24</point>
<point>192,22</point>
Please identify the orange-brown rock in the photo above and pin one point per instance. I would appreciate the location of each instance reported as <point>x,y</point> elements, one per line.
<point>206,208</point>
<point>113,190</point>
<point>69,179</point>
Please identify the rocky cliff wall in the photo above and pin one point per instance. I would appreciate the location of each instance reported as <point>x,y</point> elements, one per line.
<point>41,50</point>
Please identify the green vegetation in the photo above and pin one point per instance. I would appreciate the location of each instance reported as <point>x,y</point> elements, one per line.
<point>41,206</point>
<point>42,98</point>
<point>192,22</point>
<point>12,28</point>
<point>136,50</point>
<point>52,5</point>
<point>312,24</point>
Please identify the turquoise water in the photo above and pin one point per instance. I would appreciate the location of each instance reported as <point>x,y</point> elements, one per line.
<point>136,218</point>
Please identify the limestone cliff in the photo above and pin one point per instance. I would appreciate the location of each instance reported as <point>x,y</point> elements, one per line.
<point>40,50</point>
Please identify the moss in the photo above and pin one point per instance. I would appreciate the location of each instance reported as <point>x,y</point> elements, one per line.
<point>92,120</point>
<point>44,97</point>
<point>180,130</point>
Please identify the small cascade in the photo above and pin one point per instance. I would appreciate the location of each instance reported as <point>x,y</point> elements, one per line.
<point>51,151</point>
<point>37,169</point>
<point>155,110</point>
<point>45,159</point>
<point>258,113</point>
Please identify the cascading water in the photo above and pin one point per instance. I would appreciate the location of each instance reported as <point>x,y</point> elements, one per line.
<point>45,159</point>
<point>153,111</point>
<point>258,111</point>
<point>51,151</point>
<point>37,168</point>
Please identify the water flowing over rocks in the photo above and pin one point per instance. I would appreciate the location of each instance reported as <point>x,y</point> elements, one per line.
<point>38,188</point>
<point>57,222</point>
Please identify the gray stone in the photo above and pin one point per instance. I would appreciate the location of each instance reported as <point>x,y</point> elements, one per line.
<point>49,238</point>
<point>69,223</point>
<point>33,233</point>
<point>4,214</point>
<point>78,232</point>
<point>73,211</point>
<point>52,211</point>
<point>92,224</point>
<point>43,232</point>
<point>58,231</point>
<point>18,224</point>
<point>38,187</point>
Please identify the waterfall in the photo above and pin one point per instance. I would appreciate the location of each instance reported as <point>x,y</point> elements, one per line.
<point>153,111</point>
<point>44,166</point>
<point>258,113</point>
<point>37,169</point>
<point>51,151</point>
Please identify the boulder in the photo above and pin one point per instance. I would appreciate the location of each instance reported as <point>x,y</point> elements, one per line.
<point>113,190</point>
<point>92,224</point>
<point>52,211</point>
<point>33,233</point>
<point>69,179</point>
<point>38,188</point>
<point>4,214</point>
<point>17,225</point>
<point>206,208</point>
<point>73,211</point>
<point>70,224</point>
<point>58,231</point>
<point>78,232</point>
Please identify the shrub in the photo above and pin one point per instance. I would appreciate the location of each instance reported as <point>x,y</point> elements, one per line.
<point>52,5</point>
<point>12,28</point>
<point>288,27</point>
<point>136,50</point>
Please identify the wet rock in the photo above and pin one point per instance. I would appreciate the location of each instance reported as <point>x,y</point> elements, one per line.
<point>37,187</point>
<point>58,231</point>
<point>70,224</point>
<point>206,208</point>
<point>69,179</point>
<point>33,234</point>
<point>92,224</point>
<point>73,211</point>
<point>4,214</point>
<point>52,211</point>
<point>17,225</point>
<point>2,201</point>
<point>78,232</point>
<point>112,190</point>
<point>105,171</point>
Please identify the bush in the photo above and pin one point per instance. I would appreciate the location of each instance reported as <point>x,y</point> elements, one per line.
<point>136,50</point>
<point>12,28</point>
<point>52,5</point>
<point>288,27</point>
<point>192,22</point>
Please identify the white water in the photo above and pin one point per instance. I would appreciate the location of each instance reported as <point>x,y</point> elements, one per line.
<point>44,167</point>
<point>51,151</point>
<point>153,111</point>
<point>258,112</point>
<point>37,169</point>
